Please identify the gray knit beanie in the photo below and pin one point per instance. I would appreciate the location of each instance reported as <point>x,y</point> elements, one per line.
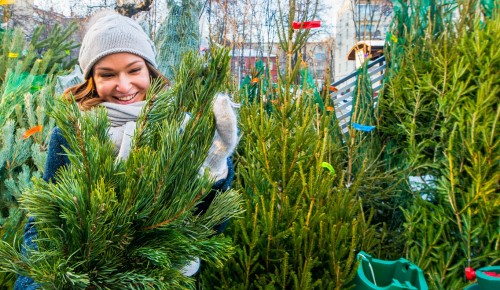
<point>109,32</point>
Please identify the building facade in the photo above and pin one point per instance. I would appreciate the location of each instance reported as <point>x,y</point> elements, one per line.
<point>243,61</point>
<point>359,21</point>
<point>318,56</point>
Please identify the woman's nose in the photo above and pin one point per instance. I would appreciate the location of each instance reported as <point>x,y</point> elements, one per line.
<point>123,85</point>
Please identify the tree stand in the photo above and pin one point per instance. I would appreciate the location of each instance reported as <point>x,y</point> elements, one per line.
<point>388,275</point>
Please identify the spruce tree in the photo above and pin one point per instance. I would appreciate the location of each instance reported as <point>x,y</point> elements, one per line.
<point>178,34</point>
<point>27,71</point>
<point>305,219</point>
<point>110,223</point>
<point>361,135</point>
<point>439,117</point>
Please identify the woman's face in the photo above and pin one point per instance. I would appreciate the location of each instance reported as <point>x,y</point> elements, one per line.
<point>121,78</point>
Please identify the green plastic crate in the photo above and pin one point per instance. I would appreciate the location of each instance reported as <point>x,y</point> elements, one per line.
<point>388,275</point>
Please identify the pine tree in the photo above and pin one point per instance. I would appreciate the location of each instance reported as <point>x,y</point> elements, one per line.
<point>440,114</point>
<point>304,220</point>
<point>110,223</point>
<point>361,136</point>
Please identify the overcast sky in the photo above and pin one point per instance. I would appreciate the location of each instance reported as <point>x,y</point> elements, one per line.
<point>334,8</point>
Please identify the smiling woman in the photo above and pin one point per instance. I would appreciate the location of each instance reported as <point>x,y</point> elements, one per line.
<point>119,67</point>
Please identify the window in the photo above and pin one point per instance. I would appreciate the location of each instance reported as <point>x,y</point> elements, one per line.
<point>387,10</point>
<point>365,31</point>
<point>365,10</point>
<point>320,56</point>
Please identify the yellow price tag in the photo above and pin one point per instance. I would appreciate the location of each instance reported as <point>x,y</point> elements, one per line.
<point>13,55</point>
<point>7,2</point>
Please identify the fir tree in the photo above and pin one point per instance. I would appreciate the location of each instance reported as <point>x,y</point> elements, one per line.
<point>439,114</point>
<point>130,223</point>
<point>304,220</point>
<point>178,34</point>
<point>361,135</point>
<point>26,93</point>
<point>40,56</point>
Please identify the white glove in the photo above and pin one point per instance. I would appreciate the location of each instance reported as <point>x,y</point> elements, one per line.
<point>191,268</point>
<point>225,139</point>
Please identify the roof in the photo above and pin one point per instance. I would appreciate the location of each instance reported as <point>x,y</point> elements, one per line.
<point>374,48</point>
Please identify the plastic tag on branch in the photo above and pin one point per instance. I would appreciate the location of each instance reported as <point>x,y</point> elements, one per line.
<point>364,128</point>
<point>329,167</point>
<point>306,24</point>
<point>32,131</point>
<point>67,81</point>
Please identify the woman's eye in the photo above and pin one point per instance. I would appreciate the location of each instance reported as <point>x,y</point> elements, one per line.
<point>135,70</point>
<point>106,76</point>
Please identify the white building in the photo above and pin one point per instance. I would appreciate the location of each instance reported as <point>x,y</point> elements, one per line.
<point>358,21</point>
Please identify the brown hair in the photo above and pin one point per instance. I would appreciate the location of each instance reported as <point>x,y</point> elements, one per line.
<point>86,95</point>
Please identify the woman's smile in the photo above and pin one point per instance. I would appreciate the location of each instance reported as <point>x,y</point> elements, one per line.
<point>127,99</point>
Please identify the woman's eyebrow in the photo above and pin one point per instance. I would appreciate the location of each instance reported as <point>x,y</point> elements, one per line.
<point>103,68</point>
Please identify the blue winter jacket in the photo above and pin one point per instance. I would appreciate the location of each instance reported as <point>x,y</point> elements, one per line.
<point>56,158</point>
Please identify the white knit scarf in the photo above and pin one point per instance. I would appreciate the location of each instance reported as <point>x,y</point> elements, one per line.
<point>123,118</point>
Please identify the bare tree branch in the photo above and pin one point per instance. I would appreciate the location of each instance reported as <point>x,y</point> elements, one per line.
<point>131,9</point>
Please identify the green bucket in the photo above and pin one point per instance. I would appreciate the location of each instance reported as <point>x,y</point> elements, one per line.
<point>387,275</point>
<point>486,281</point>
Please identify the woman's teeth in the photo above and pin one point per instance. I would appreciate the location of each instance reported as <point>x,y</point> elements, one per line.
<point>126,98</point>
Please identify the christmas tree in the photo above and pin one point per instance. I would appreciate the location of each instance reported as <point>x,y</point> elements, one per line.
<point>439,118</point>
<point>305,219</point>
<point>178,34</point>
<point>361,135</point>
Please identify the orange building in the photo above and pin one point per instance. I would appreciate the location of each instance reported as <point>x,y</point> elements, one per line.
<point>243,61</point>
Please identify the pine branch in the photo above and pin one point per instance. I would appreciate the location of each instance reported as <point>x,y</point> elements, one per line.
<point>176,216</point>
<point>105,217</point>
